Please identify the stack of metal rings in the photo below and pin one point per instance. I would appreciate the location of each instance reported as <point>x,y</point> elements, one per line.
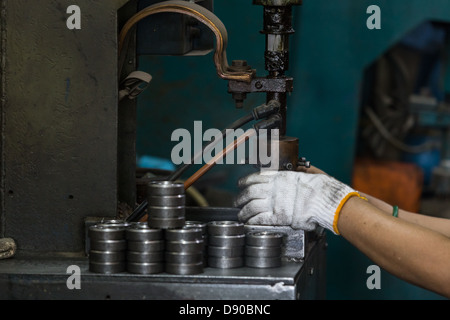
<point>263,249</point>
<point>166,204</point>
<point>226,241</point>
<point>145,249</point>
<point>184,251</point>
<point>107,248</point>
<point>203,227</point>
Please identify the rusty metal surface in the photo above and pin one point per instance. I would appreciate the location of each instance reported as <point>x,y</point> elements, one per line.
<point>59,121</point>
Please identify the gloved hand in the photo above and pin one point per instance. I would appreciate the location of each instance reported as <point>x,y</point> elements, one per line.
<point>297,199</point>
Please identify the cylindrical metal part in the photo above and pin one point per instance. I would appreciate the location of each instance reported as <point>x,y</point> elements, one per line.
<point>166,212</point>
<point>167,201</point>
<point>145,268</point>
<point>107,267</point>
<point>184,269</point>
<point>195,246</point>
<point>197,224</point>
<point>264,239</point>
<point>227,252</point>
<point>146,246</point>
<point>106,256</point>
<point>262,252</point>
<point>225,263</point>
<point>183,258</point>
<point>106,232</point>
<point>225,228</point>
<point>186,234</point>
<point>164,188</point>
<point>226,241</point>
<point>261,262</point>
<point>169,223</point>
<point>115,222</point>
<point>142,232</point>
<point>108,245</point>
<point>145,257</point>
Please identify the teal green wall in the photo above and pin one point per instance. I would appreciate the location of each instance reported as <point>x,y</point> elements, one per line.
<point>330,51</point>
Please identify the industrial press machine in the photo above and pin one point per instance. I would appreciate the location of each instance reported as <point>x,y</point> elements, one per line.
<point>69,148</point>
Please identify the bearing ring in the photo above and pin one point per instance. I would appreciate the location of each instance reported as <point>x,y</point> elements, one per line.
<point>262,262</point>
<point>226,241</point>
<point>264,239</point>
<point>184,269</point>
<point>225,228</point>
<point>186,234</point>
<point>164,188</point>
<point>263,249</point>
<point>167,201</point>
<point>146,246</point>
<point>106,232</point>
<point>145,257</point>
<point>108,245</point>
<point>161,223</point>
<point>142,232</point>
<point>225,263</point>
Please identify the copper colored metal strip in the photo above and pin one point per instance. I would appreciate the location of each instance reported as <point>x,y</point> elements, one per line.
<point>203,15</point>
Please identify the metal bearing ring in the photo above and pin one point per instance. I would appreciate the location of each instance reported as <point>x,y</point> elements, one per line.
<point>259,262</point>
<point>183,258</point>
<point>106,256</point>
<point>197,224</point>
<point>169,223</point>
<point>167,201</point>
<point>145,257</point>
<point>184,269</point>
<point>108,245</point>
<point>263,252</point>
<point>264,239</point>
<point>226,252</point>
<point>186,234</point>
<point>106,232</point>
<point>225,263</point>
<point>164,188</point>
<point>195,246</point>
<point>225,228</point>
<point>146,246</point>
<point>227,241</point>
<point>145,268</point>
<point>142,232</point>
<point>115,223</point>
<point>166,212</point>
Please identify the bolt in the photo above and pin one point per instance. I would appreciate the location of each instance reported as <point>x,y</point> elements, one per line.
<point>258,85</point>
<point>288,166</point>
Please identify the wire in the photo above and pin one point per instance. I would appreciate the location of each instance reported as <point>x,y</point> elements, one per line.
<point>208,166</point>
<point>139,212</point>
<point>235,125</point>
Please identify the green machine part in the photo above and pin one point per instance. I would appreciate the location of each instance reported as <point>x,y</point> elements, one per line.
<point>330,51</point>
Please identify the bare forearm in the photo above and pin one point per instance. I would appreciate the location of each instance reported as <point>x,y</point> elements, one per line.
<point>408,251</point>
<point>440,225</point>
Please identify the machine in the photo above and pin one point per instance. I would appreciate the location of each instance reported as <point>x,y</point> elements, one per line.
<point>69,146</point>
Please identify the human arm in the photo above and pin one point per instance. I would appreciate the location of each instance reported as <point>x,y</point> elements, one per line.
<point>440,225</point>
<point>409,251</point>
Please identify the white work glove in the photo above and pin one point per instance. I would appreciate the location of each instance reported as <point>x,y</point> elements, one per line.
<point>297,199</point>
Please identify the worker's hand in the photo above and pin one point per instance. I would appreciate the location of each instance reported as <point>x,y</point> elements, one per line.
<point>297,199</point>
